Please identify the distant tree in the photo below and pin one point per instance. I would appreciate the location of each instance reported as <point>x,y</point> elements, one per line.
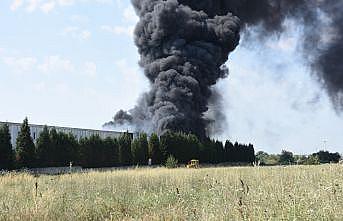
<point>139,149</point>
<point>273,159</point>
<point>183,147</point>
<point>327,157</point>
<point>241,153</point>
<point>193,146</point>
<point>155,152</point>
<point>219,152</point>
<point>92,152</point>
<point>66,149</point>
<point>144,148</point>
<point>312,160</point>
<point>25,148</point>
<point>52,153</point>
<point>166,143</point>
<point>6,150</point>
<point>212,151</point>
<point>205,151</point>
<point>85,152</point>
<point>111,152</point>
<point>228,151</point>
<point>251,153</point>
<point>124,143</point>
<point>43,148</point>
<point>236,153</point>
<point>323,156</point>
<point>286,157</point>
<point>335,157</point>
<point>262,157</point>
<point>135,150</point>
<point>95,152</point>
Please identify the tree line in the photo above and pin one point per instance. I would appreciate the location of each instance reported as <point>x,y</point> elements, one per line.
<point>58,149</point>
<point>288,158</point>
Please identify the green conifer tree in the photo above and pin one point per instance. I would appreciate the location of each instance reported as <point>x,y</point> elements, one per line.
<point>125,156</point>
<point>111,151</point>
<point>139,149</point>
<point>53,148</point>
<point>135,151</point>
<point>25,148</point>
<point>43,148</point>
<point>6,151</point>
<point>155,152</point>
<point>143,148</point>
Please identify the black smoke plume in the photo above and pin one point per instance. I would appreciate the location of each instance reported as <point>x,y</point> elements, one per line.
<point>184,45</point>
<point>121,118</point>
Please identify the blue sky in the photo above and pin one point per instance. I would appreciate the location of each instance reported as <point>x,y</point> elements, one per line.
<point>74,63</point>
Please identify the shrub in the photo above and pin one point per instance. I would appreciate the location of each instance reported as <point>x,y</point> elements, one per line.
<point>171,162</point>
<point>286,158</point>
<point>312,160</point>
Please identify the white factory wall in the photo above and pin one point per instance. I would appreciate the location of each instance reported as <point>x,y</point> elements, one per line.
<point>14,129</point>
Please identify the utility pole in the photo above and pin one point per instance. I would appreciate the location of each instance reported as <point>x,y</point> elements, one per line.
<point>325,142</point>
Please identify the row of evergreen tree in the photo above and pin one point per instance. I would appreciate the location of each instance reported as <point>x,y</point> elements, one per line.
<point>55,149</point>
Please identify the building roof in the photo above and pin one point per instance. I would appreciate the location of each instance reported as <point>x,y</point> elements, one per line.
<point>58,127</point>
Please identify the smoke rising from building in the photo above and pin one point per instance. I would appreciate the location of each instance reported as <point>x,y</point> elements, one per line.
<point>184,45</point>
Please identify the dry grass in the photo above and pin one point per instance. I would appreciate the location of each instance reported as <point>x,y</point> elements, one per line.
<point>271,193</point>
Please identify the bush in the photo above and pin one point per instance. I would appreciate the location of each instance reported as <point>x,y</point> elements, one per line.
<point>171,162</point>
<point>312,160</point>
<point>286,158</point>
<point>327,157</point>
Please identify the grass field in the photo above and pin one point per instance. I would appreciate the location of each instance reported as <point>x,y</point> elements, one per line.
<point>247,193</point>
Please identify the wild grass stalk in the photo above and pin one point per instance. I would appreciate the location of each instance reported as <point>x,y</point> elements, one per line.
<point>236,193</point>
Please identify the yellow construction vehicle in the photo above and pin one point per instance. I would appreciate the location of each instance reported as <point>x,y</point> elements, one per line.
<point>193,164</point>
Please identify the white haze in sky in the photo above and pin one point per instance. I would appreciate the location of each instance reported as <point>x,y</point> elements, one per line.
<point>272,100</point>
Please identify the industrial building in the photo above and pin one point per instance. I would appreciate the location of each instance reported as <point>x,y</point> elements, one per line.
<point>79,133</point>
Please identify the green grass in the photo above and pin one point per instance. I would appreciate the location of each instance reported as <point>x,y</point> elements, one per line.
<point>247,193</point>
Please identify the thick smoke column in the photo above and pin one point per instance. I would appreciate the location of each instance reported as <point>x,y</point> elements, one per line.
<point>329,60</point>
<point>182,53</point>
<point>184,43</point>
